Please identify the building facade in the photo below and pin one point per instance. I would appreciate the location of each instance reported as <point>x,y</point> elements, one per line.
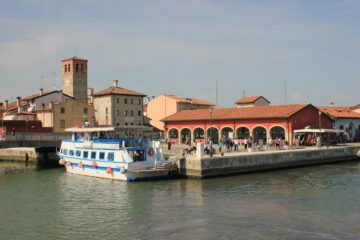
<point>118,107</point>
<point>66,114</point>
<point>256,122</point>
<point>166,105</point>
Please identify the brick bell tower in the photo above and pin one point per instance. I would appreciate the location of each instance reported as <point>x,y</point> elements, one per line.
<point>74,77</point>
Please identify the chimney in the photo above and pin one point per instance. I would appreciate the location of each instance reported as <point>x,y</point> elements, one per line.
<point>18,104</point>
<point>115,83</point>
<point>6,104</point>
<point>91,92</point>
<point>51,105</point>
<point>41,91</point>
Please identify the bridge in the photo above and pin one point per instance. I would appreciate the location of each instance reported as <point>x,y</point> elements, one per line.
<point>34,140</point>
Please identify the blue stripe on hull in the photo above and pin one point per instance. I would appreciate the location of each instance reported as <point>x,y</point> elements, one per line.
<point>96,168</point>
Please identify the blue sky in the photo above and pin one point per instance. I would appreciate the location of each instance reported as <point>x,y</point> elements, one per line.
<point>184,47</point>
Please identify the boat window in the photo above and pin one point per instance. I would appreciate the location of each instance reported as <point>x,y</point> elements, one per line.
<point>86,154</point>
<point>64,151</point>
<point>110,156</point>
<point>102,155</point>
<point>139,155</point>
<point>78,153</point>
<point>93,155</point>
<point>71,152</point>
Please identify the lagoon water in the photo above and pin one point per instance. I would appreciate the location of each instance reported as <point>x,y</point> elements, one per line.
<point>321,202</point>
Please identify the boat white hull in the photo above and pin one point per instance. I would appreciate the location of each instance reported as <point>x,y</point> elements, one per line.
<point>117,173</point>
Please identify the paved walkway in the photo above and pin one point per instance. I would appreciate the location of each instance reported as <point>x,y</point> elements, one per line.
<point>243,152</point>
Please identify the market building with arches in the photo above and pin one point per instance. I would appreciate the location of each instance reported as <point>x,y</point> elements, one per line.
<point>258,122</point>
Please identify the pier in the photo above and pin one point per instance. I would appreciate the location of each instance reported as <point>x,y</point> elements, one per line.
<point>246,162</point>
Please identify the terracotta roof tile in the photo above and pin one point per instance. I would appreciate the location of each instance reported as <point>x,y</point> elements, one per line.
<point>195,101</point>
<point>340,112</point>
<point>74,58</point>
<point>119,91</point>
<point>356,107</point>
<point>249,99</point>
<point>37,95</point>
<point>281,111</point>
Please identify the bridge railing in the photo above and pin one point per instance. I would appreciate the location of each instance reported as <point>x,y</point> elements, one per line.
<point>35,136</point>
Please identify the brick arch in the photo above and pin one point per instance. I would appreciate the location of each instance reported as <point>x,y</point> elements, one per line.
<point>183,137</point>
<point>195,137</point>
<point>243,126</point>
<point>216,138</point>
<point>226,126</point>
<point>279,126</point>
<point>259,135</point>
<point>168,132</point>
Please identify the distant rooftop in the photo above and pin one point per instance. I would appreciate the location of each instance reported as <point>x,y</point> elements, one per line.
<point>195,101</point>
<point>340,112</point>
<point>118,91</point>
<point>250,99</point>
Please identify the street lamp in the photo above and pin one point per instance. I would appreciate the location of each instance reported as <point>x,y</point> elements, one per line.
<point>320,128</point>
<point>211,131</point>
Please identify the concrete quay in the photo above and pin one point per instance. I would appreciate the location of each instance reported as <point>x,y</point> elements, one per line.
<point>246,162</point>
<point>38,156</point>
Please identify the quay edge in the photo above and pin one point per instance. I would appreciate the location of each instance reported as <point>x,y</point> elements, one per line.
<point>264,161</point>
<point>38,156</point>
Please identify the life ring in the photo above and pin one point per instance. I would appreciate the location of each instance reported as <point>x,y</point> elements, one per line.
<point>80,165</point>
<point>94,164</point>
<point>62,161</point>
<point>68,164</point>
<point>151,152</point>
<point>109,170</point>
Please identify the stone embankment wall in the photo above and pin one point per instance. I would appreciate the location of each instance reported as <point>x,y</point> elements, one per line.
<point>18,154</point>
<point>242,163</point>
<point>39,156</point>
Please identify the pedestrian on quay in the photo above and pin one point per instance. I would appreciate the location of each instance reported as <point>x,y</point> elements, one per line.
<point>236,144</point>
<point>169,144</point>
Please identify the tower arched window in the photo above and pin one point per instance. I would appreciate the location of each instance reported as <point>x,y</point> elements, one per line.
<point>81,68</point>
<point>65,69</point>
<point>77,67</point>
<point>69,69</point>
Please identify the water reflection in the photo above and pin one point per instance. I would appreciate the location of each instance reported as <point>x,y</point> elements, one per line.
<point>306,203</point>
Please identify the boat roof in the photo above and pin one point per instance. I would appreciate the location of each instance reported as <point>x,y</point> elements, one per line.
<point>108,129</point>
<point>323,130</point>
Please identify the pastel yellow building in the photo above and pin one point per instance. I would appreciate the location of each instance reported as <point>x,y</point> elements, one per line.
<point>66,114</point>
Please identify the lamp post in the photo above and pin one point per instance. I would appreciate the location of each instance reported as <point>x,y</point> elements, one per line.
<point>320,128</point>
<point>211,130</point>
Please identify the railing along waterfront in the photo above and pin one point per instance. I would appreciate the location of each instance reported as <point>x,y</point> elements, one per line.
<point>35,136</point>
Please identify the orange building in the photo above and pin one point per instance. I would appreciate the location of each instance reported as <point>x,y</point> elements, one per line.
<point>166,105</point>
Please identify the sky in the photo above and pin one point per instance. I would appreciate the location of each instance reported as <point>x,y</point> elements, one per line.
<point>186,47</point>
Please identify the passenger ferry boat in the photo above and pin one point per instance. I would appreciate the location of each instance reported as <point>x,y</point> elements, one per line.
<point>100,152</point>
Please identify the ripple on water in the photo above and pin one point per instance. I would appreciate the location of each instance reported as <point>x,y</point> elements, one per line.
<point>306,203</point>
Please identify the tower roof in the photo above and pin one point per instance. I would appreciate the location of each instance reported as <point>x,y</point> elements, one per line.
<point>74,58</point>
